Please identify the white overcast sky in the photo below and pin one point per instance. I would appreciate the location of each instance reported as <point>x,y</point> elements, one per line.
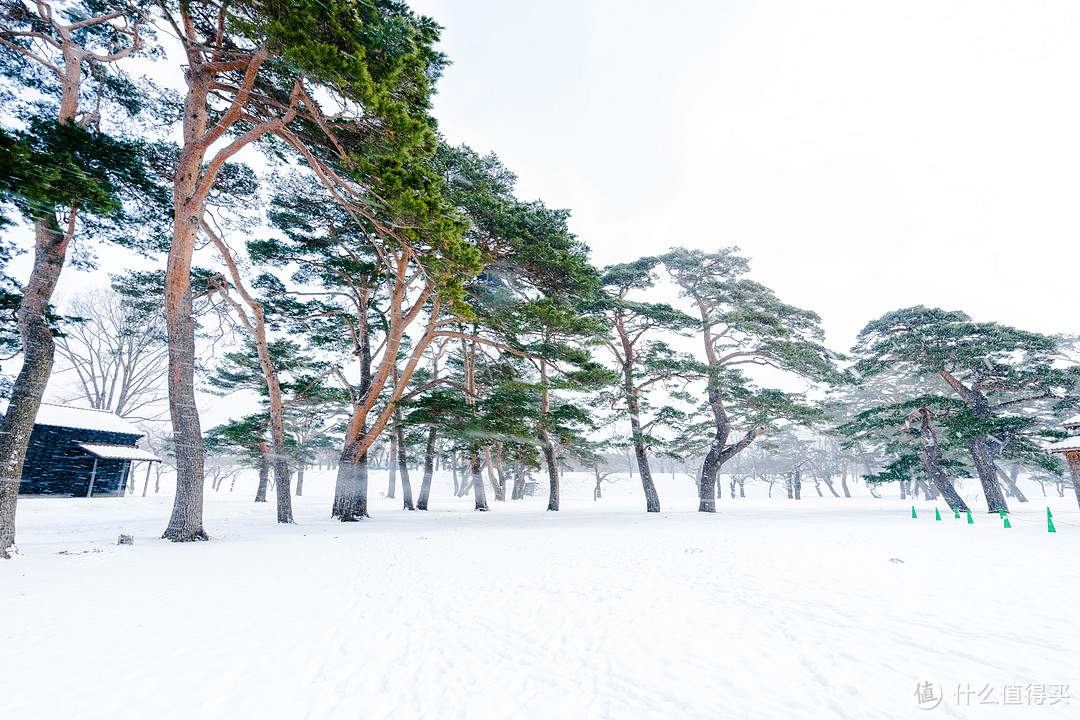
<point>867,155</point>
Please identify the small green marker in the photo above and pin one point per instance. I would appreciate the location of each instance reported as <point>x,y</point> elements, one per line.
<point>1050,521</point>
<point>956,513</point>
<point>970,521</point>
<point>913,512</point>
<point>937,515</point>
<point>1007,525</point>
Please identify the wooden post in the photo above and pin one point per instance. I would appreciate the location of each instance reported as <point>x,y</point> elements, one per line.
<point>93,474</point>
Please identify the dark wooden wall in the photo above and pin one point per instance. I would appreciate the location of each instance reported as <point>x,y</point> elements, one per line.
<point>56,465</point>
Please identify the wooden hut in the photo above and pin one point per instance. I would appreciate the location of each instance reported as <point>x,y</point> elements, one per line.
<point>1070,448</point>
<point>80,452</point>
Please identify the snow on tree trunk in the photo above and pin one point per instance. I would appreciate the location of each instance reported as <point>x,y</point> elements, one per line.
<point>350,490</point>
<point>553,472</point>
<point>477,481</point>
<point>50,246</point>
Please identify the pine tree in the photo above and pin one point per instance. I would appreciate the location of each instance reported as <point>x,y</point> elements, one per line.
<point>999,378</point>
<point>743,324</point>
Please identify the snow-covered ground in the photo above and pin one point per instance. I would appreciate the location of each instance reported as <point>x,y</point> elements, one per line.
<point>825,607</point>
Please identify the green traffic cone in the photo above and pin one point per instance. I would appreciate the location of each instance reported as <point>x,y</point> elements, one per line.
<point>1001,512</point>
<point>1050,521</point>
<point>1007,525</point>
<point>937,515</point>
<point>970,521</point>
<point>913,512</point>
<point>956,513</point>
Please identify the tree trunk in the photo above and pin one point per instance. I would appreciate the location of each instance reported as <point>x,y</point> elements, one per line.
<point>932,463</point>
<point>984,466</point>
<point>1010,482</point>
<point>843,480</point>
<point>652,499</point>
<point>797,483</point>
<point>1073,459</point>
<point>477,481</point>
<point>829,484</point>
<point>496,486</point>
<point>350,490</point>
<point>403,464</point>
<point>454,474</point>
<point>50,247</point>
<point>429,471</point>
<point>548,449</point>
<point>500,470</point>
<point>707,479</point>
<point>300,465</point>
<point>264,477</point>
<point>719,452</point>
<point>186,521</point>
<point>392,464</point>
<point>931,460</point>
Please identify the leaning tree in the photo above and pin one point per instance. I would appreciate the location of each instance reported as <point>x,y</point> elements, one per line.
<point>342,84</point>
<point>743,324</point>
<point>644,361</point>
<point>65,54</point>
<point>1003,378</point>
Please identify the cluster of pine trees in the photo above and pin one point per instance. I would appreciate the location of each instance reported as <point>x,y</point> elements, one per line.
<point>389,284</point>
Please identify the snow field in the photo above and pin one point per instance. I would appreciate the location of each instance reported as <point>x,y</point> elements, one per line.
<point>831,608</point>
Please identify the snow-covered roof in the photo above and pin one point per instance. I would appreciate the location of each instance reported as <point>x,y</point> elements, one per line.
<point>1065,445</point>
<point>118,452</point>
<point>1072,422</point>
<point>82,418</point>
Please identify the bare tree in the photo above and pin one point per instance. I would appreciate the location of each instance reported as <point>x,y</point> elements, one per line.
<point>117,354</point>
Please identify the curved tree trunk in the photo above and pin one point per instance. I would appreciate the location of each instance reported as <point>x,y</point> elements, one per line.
<point>719,451</point>
<point>707,479</point>
<point>652,499</point>
<point>931,460</point>
<point>50,247</point>
<point>1010,483</point>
